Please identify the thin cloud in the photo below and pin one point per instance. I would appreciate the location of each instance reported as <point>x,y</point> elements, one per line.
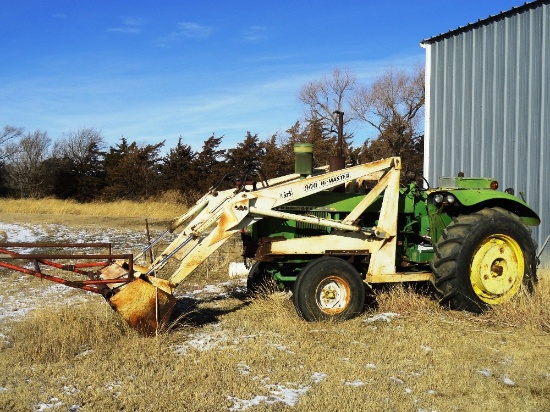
<point>129,25</point>
<point>185,30</point>
<point>193,30</point>
<point>255,33</point>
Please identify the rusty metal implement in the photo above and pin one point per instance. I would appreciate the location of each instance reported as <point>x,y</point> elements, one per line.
<point>145,302</point>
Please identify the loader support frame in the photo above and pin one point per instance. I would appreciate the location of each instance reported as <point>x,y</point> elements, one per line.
<point>93,283</point>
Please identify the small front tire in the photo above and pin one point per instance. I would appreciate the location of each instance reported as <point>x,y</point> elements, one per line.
<point>329,288</point>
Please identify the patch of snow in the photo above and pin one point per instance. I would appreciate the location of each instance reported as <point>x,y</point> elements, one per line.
<point>52,403</point>
<point>381,317</point>
<point>243,368</point>
<point>85,353</point>
<point>282,348</point>
<point>48,294</point>
<point>218,290</point>
<point>204,341</point>
<point>397,380</point>
<point>114,387</point>
<point>20,233</point>
<point>355,384</point>
<point>318,377</point>
<point>370,366</point>
<point>70,389</point>
<point>486,372</point>
<point>506,361</point>
<point>426,348</point>
<point>507,381</point>
<point>277,394</point>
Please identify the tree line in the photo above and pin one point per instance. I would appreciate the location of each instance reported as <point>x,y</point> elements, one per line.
<point>80,166</point>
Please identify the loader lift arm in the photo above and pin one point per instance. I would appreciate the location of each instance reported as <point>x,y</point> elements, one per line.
<point>233,211</point>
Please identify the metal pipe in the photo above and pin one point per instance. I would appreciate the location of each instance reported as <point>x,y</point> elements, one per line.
<point>306,219</point>
<point>340,148</point>
<point>151,244</point>
<point>169,255</point>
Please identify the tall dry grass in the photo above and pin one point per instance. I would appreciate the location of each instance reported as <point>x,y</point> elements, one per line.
<point>165,207</point>
<point>409,355</point>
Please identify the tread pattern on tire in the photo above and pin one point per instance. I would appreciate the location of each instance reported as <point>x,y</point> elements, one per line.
<point>449,282</point>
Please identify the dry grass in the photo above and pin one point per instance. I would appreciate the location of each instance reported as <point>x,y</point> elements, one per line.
<point>409,355</point>
<point>226,352</point>
<point>530,312</point>
<point>165,208</point>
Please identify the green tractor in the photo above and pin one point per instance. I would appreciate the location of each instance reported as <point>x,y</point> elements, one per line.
<point>469,240</point>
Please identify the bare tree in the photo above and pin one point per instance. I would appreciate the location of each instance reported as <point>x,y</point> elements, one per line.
<point>393,105</point>
<point>24,161</point>
<point>79,144</point>
<point>9,133</point>
<point>325,96</point>
<point>76,167</point>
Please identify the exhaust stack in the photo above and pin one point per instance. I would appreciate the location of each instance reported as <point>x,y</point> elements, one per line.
<point>338,162</point>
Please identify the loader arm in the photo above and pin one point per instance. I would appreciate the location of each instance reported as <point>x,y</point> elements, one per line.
<point>233,210</point>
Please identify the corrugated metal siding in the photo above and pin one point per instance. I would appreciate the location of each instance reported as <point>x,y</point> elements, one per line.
<point>488,106</point>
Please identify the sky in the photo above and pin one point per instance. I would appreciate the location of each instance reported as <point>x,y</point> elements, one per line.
<point>153,71</point>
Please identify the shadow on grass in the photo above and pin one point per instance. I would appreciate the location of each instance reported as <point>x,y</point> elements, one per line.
<point>194,312</point>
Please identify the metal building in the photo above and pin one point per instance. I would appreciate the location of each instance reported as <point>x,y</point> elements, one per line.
<point>488,105</point>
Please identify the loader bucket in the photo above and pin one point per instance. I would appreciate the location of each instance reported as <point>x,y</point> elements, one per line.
<point>146,304</point>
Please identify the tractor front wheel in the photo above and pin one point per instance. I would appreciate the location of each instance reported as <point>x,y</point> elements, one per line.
<point>483,259</point>
<point>329,288</point>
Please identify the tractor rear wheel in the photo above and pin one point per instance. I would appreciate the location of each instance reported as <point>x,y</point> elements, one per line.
<point>329,288</point>
<point>484,259</point>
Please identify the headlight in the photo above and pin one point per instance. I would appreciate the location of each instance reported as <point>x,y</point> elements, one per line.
<point>449,198</point>
<point>444,198</point>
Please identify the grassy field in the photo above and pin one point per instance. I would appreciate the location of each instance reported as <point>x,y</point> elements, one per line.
<point>122,212</point>
<point>227,352</point>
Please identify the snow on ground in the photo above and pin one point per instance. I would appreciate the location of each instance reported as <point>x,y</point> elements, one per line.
<point>121,239</point>
<point>33,295</point>
<point>288,394</point>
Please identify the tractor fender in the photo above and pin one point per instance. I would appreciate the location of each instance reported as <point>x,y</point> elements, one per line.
<point>482,198</point>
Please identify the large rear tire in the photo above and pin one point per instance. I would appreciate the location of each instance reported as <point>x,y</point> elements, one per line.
<point>484,259</point>
<point>329,288</point>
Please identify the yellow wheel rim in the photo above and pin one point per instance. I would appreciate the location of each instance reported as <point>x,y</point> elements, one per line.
<point>497,269</point>
<point>333,295</point>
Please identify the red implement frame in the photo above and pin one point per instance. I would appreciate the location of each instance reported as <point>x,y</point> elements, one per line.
<point>93,284</point>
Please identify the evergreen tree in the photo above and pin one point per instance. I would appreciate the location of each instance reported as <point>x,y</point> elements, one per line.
<point>132,171</point>
<point>177,168</point>
<point>208,167</point>
<point>279,157</point>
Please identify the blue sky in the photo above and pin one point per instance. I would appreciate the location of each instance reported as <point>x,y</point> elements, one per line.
<point>156,70</point>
